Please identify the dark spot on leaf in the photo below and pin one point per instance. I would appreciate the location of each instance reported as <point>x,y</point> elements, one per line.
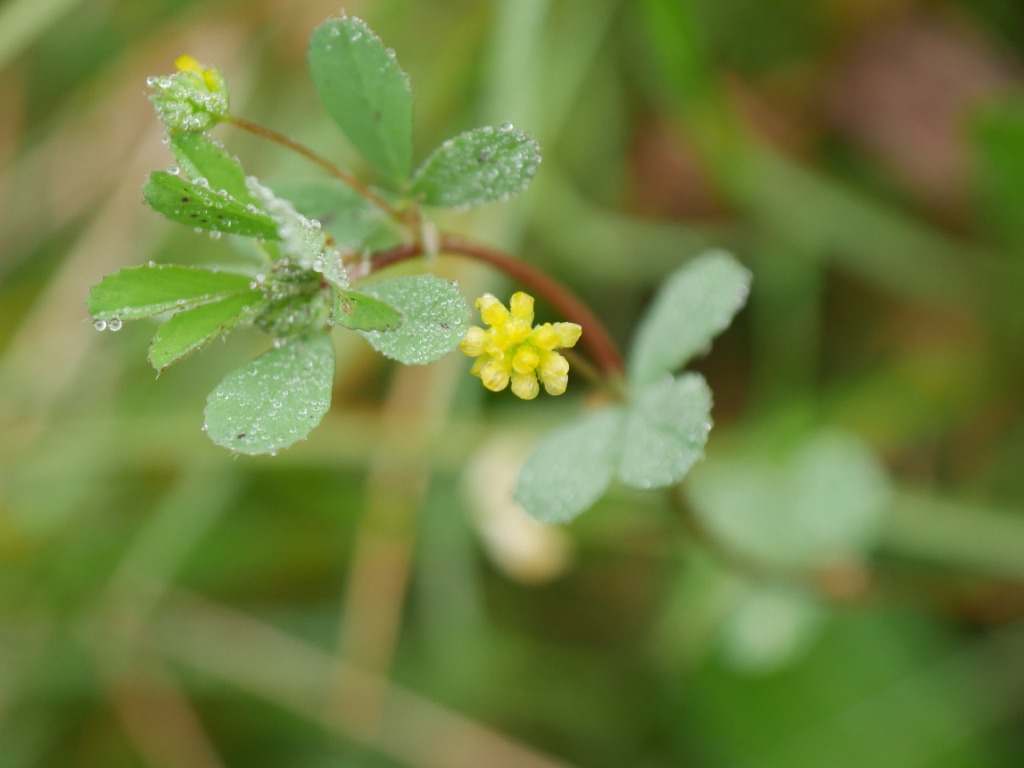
<point>194,215</point>
<point>443,326</point>
<point>184,199</point>
<point>483,157</point>
<point>376,116</point>
<point>240,436</point>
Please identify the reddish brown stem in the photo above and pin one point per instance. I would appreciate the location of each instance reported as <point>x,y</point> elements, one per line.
<point>595,339</point>
<point>323,162</point>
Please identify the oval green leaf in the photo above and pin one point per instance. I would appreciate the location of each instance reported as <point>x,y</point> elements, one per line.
<point>822,505</point>
<point>434,318</point>
<point>200,157</point>
<point>275,400</point>
<point>485,165</point>
<point>191,329</point>
<point>144,291</point>
<point>694,305</point>
<point>361,312</point>
<point>666,431</point>
<point>571,467</point>
<point>205,208</point>
<point>365,92</point>
<point>769,626</point>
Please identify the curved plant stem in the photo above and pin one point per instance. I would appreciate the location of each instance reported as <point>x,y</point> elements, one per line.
<point>323,162</point>
<point>600,347</point>
<point>596,339</point>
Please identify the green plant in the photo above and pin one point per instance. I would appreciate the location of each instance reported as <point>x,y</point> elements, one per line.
<point>311,277</point>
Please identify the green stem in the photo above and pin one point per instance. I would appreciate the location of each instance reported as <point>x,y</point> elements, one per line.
<point>323,162</point>
<point>599,344</point>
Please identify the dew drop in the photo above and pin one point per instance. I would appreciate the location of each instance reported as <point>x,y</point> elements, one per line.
<point>99,325</point>
<point>114,324</point>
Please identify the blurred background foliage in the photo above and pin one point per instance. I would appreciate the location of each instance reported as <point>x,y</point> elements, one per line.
<point>845,584</point>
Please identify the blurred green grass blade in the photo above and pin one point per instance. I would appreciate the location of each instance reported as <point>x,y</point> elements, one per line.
<point>138,292</point>
<point>435,318</point>
<point>865,237</point>
<point>365,92</point>
<point>23,21</point>
<point>997,135</point>
<point>680,52</point>
<point>477,167</point>
<point>275,400</point>
<point>956,534</point>
<point>191,329</point>
<point>204,208</point>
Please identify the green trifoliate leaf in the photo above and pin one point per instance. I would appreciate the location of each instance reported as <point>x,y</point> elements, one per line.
<point>351,219</point>
<point>365,92</point>
<point>149,290</point>
<point>191,329</point>
<point>205,208</point>
<point>434,318</point>
<point>571,467</point>
<point>821,505</point>
<point>694,305</point>
<point>276,399</point>
<point>364,313</point>
<point>666,431</point>
<point>202,158</point>
<point>485,165</point>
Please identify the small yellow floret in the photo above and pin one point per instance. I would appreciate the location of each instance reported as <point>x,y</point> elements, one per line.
<point>513,350</point>
<point>473,344</point>
<point>188,63</point>
<point>495,375</point>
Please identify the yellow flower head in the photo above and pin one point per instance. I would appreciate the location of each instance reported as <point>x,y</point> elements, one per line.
<point>513,350</point>
<point>192,99</point>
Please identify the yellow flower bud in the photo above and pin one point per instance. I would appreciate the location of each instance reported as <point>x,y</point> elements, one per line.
<point>192,99</point>
<point>522,307</point>
<point>544,337</point>
<point>473,344</point>
<point>495,375</point>
<point>525,386</point>
<point>553,366</point>
<point>525,360</point>
<point>492,311</point>
<point>568,334</point>
<point>556,386</point>
<point>188,63</point>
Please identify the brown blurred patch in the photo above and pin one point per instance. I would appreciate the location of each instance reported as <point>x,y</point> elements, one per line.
<point>903,92</point>
<point>667,178</point>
